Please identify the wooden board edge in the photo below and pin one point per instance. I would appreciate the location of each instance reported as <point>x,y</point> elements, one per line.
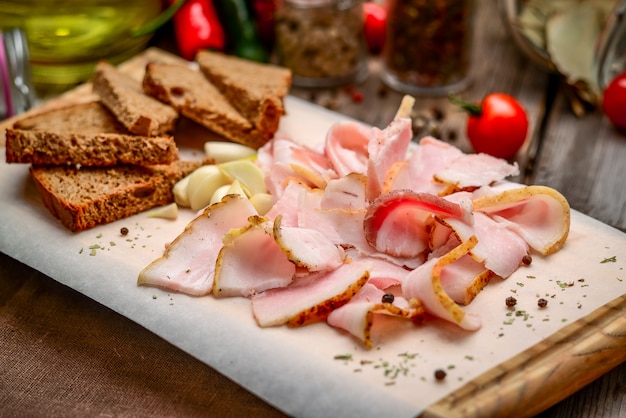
<point>546,373</point>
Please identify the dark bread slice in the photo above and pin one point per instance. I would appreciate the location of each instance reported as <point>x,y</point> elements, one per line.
<point>188,91</point>
<point>82,198</point>
<point>86,134</point>
<point>140,113</point>
<point>255,89</point>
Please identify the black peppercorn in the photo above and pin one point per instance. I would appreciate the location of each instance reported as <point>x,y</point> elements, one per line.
<point>388,298</point>
<point>527,260</point>
<point>542,303</point>
<point>440,374</point>
<point>124,231</point>
<point>510,301</point>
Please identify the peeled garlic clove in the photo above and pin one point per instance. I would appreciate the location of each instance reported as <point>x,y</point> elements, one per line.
<point>181,197</point>
<point>219,193</point>
<point>167,212</point>
<point>222,152</point>
<point>247,173</point>
<point>203,183</point>
<point>262,202</point>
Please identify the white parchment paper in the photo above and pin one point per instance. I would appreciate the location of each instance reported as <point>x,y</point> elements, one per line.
<point>315,370</point>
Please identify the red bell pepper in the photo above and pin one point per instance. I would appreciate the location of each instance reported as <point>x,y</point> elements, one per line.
<point>197,26</point>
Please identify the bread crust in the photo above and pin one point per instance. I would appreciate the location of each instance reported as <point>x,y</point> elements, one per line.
<point>86,134</point>
<point>188,91</point>
<point>82,198</point>
<point>255,89</point>
<point>140,113</point>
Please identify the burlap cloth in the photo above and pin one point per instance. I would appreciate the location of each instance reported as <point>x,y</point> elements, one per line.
<point>65,355</point>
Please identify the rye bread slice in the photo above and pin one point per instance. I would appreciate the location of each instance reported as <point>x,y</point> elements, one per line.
<point>86,134</point>
<point>140,113</point>
<point>188,91</point>
<point>255,89</point>
<point>84,197</point>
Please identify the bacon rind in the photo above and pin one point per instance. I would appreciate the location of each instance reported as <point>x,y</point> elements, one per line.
<point>431,292</point>
<point>310,299</point>
<point>546,238</point>
<point>198,245</point>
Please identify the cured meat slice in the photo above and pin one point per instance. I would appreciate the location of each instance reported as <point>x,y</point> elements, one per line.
<point>357,316</point>
<point>188,263</point>
<point>283,159</point>
<point>346,147</point>
<point>307,248</point>
<point>430,157</point>
<point>310,299</point>
<point>464,279</point>
<point>386,147</point>
<point>250,263</point>
<point>499,248</point>
<point>539,214</point>
<point>346,192</point>
<point>425,284</point>
<point>395,223</point>
<point>471,171</point>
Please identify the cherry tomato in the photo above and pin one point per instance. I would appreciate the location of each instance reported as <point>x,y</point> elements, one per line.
<point>375,25</point>
<point>498,126</point>
<point>614,101</point>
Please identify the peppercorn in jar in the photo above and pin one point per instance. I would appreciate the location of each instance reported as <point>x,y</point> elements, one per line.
<point>428,47</point>
<point>321,41</point>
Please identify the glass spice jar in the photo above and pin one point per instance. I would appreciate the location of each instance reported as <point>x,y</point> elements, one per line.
<point>610,55</point>
<point>321,41</point>
<point>428,48</point>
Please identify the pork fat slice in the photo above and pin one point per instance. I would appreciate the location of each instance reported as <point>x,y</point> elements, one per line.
<point>357,317</point>
<point>188,263</point>
<point>310,298</point>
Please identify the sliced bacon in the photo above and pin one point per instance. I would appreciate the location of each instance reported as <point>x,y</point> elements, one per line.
<point>430,157</point>
<point>346,192</point>
<point>395,223</point>
<point>499,248</point>
<point>188,263</point>
<point>471,171</point>
<point>310,299</point>
<point>307,248</point>
<point>285,159</point>
<point>425,284</point>
<point>346,147</point>
<point>464,279</point>
<point>385,148</point>
<point>357,316</point>
<point>251,262</point>
<point>539,214</point>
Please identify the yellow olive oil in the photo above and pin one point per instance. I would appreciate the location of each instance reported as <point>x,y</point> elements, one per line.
<point>66,38</point>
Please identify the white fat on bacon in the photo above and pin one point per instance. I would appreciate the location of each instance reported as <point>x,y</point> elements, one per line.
<point>311,298</point>
<point>470,171</point>
<point>425,284</point>
<point>346,147</point>
<point>307,248</point>
<point>251,262</point>
<point>357,316</point>
<point>188,263</point>
<point>499,248</point>
<point>539,214</point>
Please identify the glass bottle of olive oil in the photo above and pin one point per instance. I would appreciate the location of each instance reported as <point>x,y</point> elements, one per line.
<point>66,38</point>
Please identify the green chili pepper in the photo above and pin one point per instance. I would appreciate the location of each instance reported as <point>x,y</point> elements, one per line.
<point>241,33</point>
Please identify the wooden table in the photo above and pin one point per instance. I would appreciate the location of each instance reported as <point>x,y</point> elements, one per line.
<point>65,355</point>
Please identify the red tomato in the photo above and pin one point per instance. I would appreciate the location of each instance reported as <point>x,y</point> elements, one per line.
<point>614,101</point>
<point>375,25</point>
<point>498,126</point>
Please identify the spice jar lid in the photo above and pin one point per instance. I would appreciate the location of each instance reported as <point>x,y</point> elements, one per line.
<point>15,81</point>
